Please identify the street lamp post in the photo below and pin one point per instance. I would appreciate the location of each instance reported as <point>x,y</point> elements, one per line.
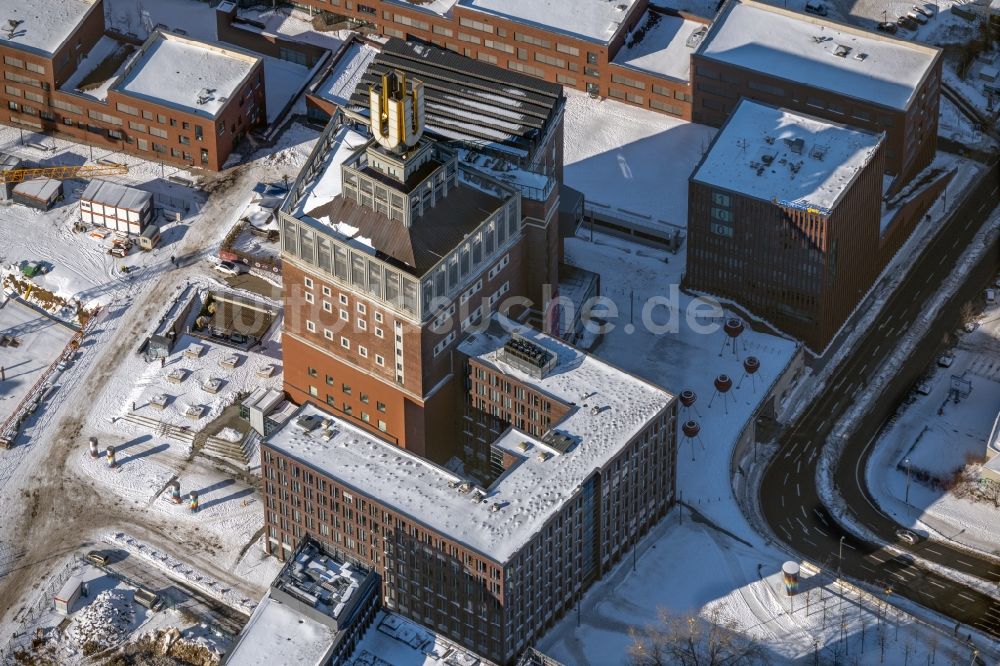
<point>840,563</point>
<point>906,495</point>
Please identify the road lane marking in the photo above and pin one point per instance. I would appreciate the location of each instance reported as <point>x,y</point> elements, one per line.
<point>934,582</point>
<point>965,596</point>
<point>931,550</point>
<point>782,500</point>
<point>798,466</point>
<point>964,562</point>
<point>798,494</point>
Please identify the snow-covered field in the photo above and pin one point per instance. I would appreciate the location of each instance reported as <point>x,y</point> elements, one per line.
<point>936,436</point>
<point>633,275</point>
<point>81,269</point>
<point>693,568</point>
<point>142,383</point>
<point>631,161</point>
<point>41,341</point>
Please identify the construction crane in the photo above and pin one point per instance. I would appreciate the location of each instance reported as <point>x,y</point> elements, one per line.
<point>62,172</point>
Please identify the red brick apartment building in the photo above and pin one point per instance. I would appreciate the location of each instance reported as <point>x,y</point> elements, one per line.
<point>489,564</point>
<point>172,99</point>
<point>621,49</point>
<point>818,67</point>
<point>784,218</point>
<point>384,272</point>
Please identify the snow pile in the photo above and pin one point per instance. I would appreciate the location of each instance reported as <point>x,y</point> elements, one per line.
<point>104,623</point>
<point>230,435</point>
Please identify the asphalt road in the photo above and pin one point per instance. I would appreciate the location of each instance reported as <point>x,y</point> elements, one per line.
<point>788,496</point>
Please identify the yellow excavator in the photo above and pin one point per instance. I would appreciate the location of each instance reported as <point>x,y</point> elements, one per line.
<point>62,172</point>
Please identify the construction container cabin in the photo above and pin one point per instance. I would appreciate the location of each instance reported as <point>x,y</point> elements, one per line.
<point>67,596</point>
<point>8,162</point>
<point>117,207</point>
<point>41,193</point>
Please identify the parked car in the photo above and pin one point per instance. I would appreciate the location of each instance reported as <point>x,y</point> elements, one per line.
<point>924,387</point>
<point>923,11</point>
<point>98,558</point>
<point>817,8</point>
<point>991,296</point>
<point>903,560</point>
<point>908,23</point>
<point>945,360</point>
<point>919,18</point>
<point>887,27</point>
<point>227,268</point>
<point>970,326</point>
<point>907,536</point>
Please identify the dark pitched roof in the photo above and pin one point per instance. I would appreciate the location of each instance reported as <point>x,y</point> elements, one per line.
<point>433,235</point>
<point>469,100</point>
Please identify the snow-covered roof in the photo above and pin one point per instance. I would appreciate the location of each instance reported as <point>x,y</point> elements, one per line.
<point>327,183</point>
<point>278,635</point>
<point>339,84</point>
<point>775,154</point>
<point>439,7</point>
<point>804,49</point>
<point>42,189</point>
<point>665,46</point>
<point>397,641</point>
<point>531,491</point>
<point>594,20</point>
<point>113,194</point>
<point>106,50</point>
<point>44,24</point>
<point>195,76</point>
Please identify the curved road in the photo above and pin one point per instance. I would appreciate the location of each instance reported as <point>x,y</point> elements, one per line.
<point>788,496</point>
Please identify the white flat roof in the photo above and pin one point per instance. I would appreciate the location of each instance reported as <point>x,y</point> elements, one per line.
<point>802,48</point>
<point>196,76</point>
<point>531,491</point>
<point>44,24</point>
<point>663,48</point>
<point>595,20</point>
<point>811,161</point>
<point>278,635</point>
<point>339,84</point>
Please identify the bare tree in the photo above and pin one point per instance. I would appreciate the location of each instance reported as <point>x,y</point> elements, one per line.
<point>689,640</point>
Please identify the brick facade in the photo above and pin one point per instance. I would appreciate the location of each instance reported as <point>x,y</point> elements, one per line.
<point>31,99</point>
<point>496,608</point>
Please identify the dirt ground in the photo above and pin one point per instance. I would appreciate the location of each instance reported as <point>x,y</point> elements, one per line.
<point>59,511</point>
